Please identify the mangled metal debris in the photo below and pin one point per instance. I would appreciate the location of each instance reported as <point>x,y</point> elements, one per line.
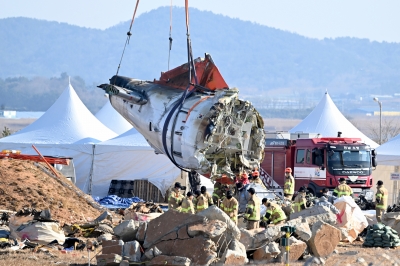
<point>203,126</point>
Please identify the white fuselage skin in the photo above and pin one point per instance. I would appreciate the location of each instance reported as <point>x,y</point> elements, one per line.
<point>149,120</point>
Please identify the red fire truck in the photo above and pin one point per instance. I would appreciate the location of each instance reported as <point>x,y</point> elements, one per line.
<point>318,163</point>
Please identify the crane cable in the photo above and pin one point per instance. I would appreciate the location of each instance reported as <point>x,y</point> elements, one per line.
<point>170,33</point>
<point>129,34</point>
<point>178,105</point>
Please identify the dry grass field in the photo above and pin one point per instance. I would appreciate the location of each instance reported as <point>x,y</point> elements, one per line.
<point>15,124</point>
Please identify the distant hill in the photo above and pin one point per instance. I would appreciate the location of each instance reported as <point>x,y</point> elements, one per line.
<point>257,59</point>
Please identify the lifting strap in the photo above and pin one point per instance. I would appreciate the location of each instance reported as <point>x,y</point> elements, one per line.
<point>129,34</point>
<point>178,105</point>
<point>170,33</point>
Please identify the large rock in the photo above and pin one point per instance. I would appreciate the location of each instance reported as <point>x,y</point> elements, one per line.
<point>329,218</point>
<point>267,252</point>
<point>215,213</point>
<point>200,250</point>
<point>152,252</point>
<point>314,210</point>
<point>167,226</point>
<point>247,237</point>
<point>108,259</point>
<point>163,260</point>
<point>127,230</point>
<point>235,245</point>
<point>132,251</point>
<point>212,228</point>
<point>113,247</point>
<point>303,230</point>
<point>270,234</point>
<point>324,240</point>
<point>253,239</point>
<point>296,249</point>
<point>392,219</point>
<point>232,257</point>
<point>141,232</point>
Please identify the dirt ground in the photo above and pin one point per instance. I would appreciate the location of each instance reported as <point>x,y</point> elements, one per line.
<point>27,257</point>
<point>22,184</point>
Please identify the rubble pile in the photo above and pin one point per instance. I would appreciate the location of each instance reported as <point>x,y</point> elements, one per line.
<point>392,219</point>
<point>23,185</point>
<point>145,207</point>
<point>380,235</point>
<point>143,211</point>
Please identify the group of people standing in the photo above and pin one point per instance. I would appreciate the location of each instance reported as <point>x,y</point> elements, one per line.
<point>201,200</point>
<point>223,197</point>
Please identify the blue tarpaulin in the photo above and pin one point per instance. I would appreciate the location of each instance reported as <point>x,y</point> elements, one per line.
<point>114,200</point>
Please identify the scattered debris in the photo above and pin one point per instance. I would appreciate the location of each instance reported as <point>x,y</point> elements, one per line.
<point>392,219</point>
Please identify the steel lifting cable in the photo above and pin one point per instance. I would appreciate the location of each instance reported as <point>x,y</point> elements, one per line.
<point>170,33</point>
<point>181,101</point>
<point>128,37</point>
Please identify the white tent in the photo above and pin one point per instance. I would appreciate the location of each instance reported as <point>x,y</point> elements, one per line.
<point>112,119</point>
<point>129,157</point>
<point>327,120</point>
<point>67,129</point>
<point>389,152</point>
<point>67,121</point>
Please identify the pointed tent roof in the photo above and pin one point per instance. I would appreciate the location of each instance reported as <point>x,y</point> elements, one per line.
<point>389,152</point>
<point>66,121</point>
<point>327,120</point>
<point>112,119</point>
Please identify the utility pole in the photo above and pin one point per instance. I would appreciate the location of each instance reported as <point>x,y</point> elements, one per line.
<point>380,119</point>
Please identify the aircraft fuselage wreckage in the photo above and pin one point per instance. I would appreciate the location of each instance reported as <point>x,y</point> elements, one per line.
<point>201,126</point>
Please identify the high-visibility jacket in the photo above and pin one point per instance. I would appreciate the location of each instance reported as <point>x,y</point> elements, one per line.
<point>253,209</point>
<point>187,206</point>
<point>299,202</point>
<point>218,191</point>
<point>201,203</point>
<point>381,197</point>
<point>208,198</point>
<point>274,214</point>
<point>289,185</point>
<point>342,190</point>
<point>230,207</point>
<point>174,200</point>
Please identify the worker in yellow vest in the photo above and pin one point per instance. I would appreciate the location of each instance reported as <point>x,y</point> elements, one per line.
<point>381,200</point>
<point>187,204</point>
<point>288,189</point>
<point>343,189</point>
<point>207,195</point>
<point>274,214</point>
<point>175,197</point>
<point>252,213</point>
<point>230,206</point>
<point>300,201</point>
<point>201,201</point>
<point>219,193</point>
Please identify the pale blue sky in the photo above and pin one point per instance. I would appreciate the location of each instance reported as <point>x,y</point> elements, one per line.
<point>377,20</point>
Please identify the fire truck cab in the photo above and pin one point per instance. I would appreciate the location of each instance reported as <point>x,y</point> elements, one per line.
<point>319,162</point>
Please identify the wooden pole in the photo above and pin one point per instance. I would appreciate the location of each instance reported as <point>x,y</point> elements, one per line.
<point>49,165</point>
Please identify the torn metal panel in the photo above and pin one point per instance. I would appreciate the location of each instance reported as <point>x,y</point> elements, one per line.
<point>214,132</point>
